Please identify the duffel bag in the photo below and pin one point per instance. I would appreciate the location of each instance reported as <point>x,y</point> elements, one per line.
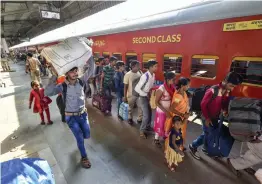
<point>244,118</point>
<point>219,142</point>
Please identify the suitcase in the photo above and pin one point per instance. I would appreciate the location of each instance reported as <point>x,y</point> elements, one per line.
<point>219,142</point>
<point>123,111</point>
<point>101,102</point>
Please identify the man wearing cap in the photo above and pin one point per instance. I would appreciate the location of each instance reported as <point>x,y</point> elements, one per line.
<point>212,107</point>
<point>98,72</point>
<point>107,78</point>
<point>74,99</point>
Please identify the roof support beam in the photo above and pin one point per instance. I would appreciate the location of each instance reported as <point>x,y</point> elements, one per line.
<point>17,12</point>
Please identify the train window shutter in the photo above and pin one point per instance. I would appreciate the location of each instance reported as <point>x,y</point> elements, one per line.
<point>172,62</point>
<point>118,55</point>
<point>250,68</point>
<point>204,66</point>
<point>146,58</point>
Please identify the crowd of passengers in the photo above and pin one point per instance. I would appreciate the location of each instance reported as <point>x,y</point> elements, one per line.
<point>105,75</point>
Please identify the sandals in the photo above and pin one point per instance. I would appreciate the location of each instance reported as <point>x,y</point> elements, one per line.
<point>157,143</point>
<point>42,123</point>
<point>85,163</point>
<point>250,171</point>
<point>143,135</point>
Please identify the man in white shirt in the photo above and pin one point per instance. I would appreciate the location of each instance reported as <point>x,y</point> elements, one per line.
<point>143,88</point>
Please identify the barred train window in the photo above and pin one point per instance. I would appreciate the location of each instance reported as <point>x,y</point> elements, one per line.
<point>129,57</point>
<point>146,58</point>
<point>172,62</point>
<point>96,55</point>
<point>204,66</point>
<point>118,56</point>
<point>250,68</point>
<point>106,55</point>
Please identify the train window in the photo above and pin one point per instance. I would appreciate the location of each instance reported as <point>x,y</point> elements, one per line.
<point>96,55</point>
<point>172,62</point>
<point>250,68</point>
<point>106,55</point>
<point>146,58</point>
<point>129,57</point>
<point>204,66</point>
<point>118,56</point>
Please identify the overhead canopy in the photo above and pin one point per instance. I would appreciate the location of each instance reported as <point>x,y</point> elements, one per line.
<point>22,20</point>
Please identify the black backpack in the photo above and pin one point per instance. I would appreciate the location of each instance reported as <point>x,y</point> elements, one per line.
<point>61,99</point>
<point>199,94</point>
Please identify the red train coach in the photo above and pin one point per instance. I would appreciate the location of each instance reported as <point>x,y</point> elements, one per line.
<point>203,43</point>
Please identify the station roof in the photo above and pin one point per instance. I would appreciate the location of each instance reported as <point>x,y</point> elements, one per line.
<point>21,20</point>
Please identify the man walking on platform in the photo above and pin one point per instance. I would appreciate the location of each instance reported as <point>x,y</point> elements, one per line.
<point>218,98</point>
<point>33,64</point>
<point>75,112</point>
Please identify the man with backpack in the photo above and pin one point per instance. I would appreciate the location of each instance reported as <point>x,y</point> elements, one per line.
<point>72,91</point>
<point>131,78</point>
<point>146,82</point>
<point>107,83</point>
<point>216,100</point>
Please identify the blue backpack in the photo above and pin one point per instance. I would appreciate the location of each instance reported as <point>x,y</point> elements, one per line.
<point>218,140</point>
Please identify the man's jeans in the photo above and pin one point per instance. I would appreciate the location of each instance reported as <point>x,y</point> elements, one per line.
<point>119,98</point>
<point>147,113</point>
<point>201,139</point>
<point>79,125</point>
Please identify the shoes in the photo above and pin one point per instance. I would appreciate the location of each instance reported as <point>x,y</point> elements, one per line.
<point>143,135</point>
<point>120,118</point>
<point>50,122</point>
<point>194,152</point>
<point>130,122</point>
<point>42,123</point>
<point>139,121</point>
<point>204,151</point>
<point>85,163</point>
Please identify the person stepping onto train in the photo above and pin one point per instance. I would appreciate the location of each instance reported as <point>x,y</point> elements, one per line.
<point>107,78</point>
<point>130,79</point>
<point>145,84</point>
<point>75,112</point>
<point>119,85</point>
<point>215,101</point>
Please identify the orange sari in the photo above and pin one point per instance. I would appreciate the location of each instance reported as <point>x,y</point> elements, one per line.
<point>182,104</point>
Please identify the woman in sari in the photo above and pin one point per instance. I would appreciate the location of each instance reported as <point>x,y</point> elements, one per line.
<point>163,100</point>
<point>180,106</point>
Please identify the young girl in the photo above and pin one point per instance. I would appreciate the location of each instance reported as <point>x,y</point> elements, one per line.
<point>180,106</point>
<point>41,102</point>
<point>164,96</point>
<point>174,144</point>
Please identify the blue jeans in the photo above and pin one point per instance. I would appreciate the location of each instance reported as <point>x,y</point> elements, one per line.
<point>200,140</point>
<point>107,91</point>
<point>79,125</point>
<point>119,98</point>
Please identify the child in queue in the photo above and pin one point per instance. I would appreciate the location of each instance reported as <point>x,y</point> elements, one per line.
<point>174,144</point>
<point>41,102</point>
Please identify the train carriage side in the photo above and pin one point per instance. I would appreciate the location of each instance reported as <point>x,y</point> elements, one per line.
<point>201,51</point>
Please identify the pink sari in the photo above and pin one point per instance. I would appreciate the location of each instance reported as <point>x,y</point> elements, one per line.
<point>160,117</point>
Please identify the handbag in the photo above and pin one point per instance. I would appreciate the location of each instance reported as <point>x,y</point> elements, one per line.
<point>46,100</point>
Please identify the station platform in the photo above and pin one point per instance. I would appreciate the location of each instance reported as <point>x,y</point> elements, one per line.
<point>117,153</point>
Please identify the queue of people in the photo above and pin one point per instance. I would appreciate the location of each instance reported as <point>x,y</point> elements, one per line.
<point>134,88</point>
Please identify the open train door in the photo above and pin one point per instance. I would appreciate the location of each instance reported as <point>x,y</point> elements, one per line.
<point>129,57</point>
